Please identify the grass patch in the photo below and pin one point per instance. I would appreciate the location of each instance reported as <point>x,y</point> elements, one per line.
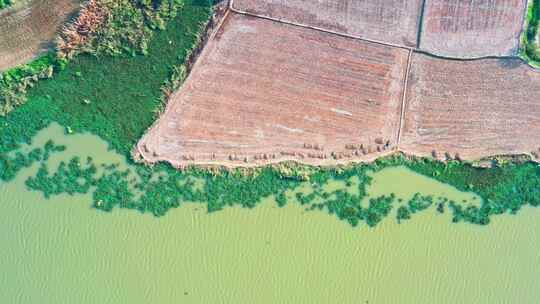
<point>114,27</point>
<point>15,82</point>
<point>530,39</point>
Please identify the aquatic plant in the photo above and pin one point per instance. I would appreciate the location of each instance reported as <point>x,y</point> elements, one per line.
<point>12,163</point>
<point>69,178</point>
<point>419,203</point>
<point>403,213</point>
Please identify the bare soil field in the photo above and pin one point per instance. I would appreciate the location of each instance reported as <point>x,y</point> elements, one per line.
<point>391,21</point>
<point>474,108</point>
<point>263,92</point>
<point>472,29</point>
<point>29,28</point>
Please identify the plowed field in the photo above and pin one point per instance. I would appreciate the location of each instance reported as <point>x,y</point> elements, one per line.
<point>28,28</point>
<point>468,29</point>
<point>264,92</point>
<point>472,108</point>
<point>392,21</point>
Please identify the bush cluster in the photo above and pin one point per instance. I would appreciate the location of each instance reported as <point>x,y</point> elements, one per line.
<point>15,82</point>
<point>116,27</point>
<point>6,3</point>
<point>531,39</point>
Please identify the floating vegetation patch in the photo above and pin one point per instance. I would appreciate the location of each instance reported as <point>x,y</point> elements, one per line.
<point>71,178</point>
<point>12,163</point>
<point>161,188</point>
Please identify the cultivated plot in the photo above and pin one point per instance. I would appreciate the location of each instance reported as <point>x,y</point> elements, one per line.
<point>392,21</point>
<point>264,92</point>
<point>469,29</point>
<point>29,28</point>
<point>474,108</point>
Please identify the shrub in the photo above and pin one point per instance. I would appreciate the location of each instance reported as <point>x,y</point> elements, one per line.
<point>6,3</point>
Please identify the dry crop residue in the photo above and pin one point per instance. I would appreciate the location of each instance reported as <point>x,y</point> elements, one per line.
<point>390,21</point>
<point>265,92</point>
<point>28,29</point>
<point>469,29</point>
<point>474,108</point>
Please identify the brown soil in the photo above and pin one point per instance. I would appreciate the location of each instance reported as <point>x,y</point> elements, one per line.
<point>469,29</point>
<point>474,108</point>
<point>28,29</point>
<point>390,21</point>
<point>264,92</point>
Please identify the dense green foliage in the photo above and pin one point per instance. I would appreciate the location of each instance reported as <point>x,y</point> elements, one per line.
<point>531,41</point>
<point>6,3</point>
<point>117,97</point>
<point>131,25</point>
<point>12,163</point>
<point>70,178</point>
<point>15,82</point>
<point>505,188</point>
<point>127,30</point>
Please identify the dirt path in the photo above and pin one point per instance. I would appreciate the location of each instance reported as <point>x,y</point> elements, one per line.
<point>404,98</point>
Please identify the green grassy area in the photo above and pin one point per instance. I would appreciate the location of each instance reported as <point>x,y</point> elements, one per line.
<point>530,39</point>
<point>118,98</point>
<point>15,82</point>
<point>6,3</point>
<point>128,27</point>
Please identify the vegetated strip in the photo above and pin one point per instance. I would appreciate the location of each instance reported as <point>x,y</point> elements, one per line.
<point>322,28</point>
<point>505,188</point>
<point>531,37</point>
<point>420,23</point>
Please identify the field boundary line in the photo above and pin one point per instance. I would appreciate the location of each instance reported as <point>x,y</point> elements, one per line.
<point>415,49</point>
<point>233,9</point>
<point>420,24</point>
<point>404,99</point>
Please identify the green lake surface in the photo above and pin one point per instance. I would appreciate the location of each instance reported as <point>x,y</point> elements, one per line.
<point>63,251</point>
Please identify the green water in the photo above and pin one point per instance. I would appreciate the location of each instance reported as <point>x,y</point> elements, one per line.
<point>62,251</point>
